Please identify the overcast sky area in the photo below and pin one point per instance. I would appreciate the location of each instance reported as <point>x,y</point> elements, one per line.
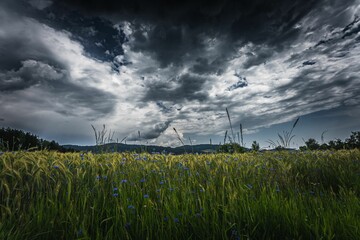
<point>150,66</point>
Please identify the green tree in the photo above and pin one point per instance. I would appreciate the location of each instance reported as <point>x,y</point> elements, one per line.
<point>231,148</point>
<point>312,144</point>
<point>14,140</point>
<point>353,141</point>
<point>255,146</point>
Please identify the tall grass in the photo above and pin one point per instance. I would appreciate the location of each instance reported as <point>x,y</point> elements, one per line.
<point>279,195</point>
<point>284,139</point>
<point>232,132</point>
<point>100,136</point>
<point>232,139</point>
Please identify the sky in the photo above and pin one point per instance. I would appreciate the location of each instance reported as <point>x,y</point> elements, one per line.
<point>151,66</point>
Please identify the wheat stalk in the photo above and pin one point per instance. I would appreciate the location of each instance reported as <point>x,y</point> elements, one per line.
<point>232,132</point>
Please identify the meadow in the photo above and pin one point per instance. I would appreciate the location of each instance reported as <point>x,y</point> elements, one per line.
<point>256,195</point>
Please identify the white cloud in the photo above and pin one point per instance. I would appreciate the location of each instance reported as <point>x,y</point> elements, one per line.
<point>76,70</point>
<point>272,95</point>
<point>262,98</point>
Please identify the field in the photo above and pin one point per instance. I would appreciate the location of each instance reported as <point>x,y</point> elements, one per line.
<point>270,195</point>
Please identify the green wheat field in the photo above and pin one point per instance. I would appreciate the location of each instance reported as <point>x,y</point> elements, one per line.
<point>269,195</point>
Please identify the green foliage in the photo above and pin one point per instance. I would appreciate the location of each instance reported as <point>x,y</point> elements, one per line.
<point>352,142</point>
<point>231,148</point>
<point>312,144</point>
<point>14,140</point>
<point>270,195</point>
<point>255,146</point>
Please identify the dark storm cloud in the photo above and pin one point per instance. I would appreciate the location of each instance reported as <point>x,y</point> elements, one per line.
<point>21,42</point>
<point>179,56</point>
<point>163,107</point>
<point>308,63</point>
<point>96,103</point>
<point>246,18</point>
<point>169,44</point>
<point>309,87</point>
<point>203,66</point>
<point>347,31</point>
<point>31,73</point>
<point>30,64</point>
<point>99,37</point>
<point>152,133</point>
<point>258,55</point>
<point>239,84</point>
<point>352,28</point>
<point>187,87</point>
<point>40,4</point>
<point>171,30</point>
<point>65,94</point>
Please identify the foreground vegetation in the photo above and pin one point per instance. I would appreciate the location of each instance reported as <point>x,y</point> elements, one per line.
<point>271,195</point>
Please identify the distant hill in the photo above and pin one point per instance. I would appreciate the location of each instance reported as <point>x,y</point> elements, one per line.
<point>120,147</point>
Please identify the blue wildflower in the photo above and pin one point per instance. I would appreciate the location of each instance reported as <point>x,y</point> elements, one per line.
<point>176,220</point>
<point>79,233</point>
<point>234,232</point>
<point>115,194</point>
<point>56,167</point>
<point>115,189</point>
<point>131,207</point>
<point>143,180</point>
<point>146,196</point>
<point>127,226</point>
<point>124,181</point>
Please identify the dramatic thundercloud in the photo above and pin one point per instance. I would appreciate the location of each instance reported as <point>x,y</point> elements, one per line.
<point>145,65</point>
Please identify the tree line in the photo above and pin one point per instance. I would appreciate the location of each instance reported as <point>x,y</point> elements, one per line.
<point>311,144</point>
<point>350,143</point>
<point>14,140</point>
